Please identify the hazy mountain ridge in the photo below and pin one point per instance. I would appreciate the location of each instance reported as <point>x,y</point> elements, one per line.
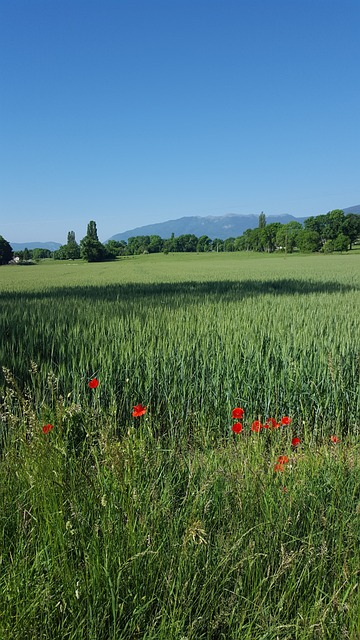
<point>222,227</point>
<point>230,225</point>
<point>20,246</point>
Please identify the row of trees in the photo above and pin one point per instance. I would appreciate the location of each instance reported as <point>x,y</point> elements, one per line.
<point>90,248</point>
<point>333,231</point>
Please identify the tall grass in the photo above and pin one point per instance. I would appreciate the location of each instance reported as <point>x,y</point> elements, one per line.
<point>170,526</point>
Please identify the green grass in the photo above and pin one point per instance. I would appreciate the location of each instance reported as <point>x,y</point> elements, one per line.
<point>170,526</point>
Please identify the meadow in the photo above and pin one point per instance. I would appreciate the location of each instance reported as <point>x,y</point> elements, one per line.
<point>170,525</point>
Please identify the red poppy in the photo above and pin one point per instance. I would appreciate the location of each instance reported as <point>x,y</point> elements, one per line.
<point>139,410</point>
<point>286,420</point>
<point>283,459</point>
<point>47,427</point>
<point>237,427</point>
<point>93,383</point>
<point>279,467</point>
<point>334,439</point>
<point>295,442</point>
<point>270,422</point>
<point>256,426</point>
<point>238,412</point>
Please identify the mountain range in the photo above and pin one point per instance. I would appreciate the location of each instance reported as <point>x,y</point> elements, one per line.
<point>222,227</point>
<point>20,246</point>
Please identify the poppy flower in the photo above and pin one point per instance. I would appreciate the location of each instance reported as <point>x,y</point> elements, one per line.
<point>334,439</point>
<point>139,410</point>
<point>256,426</point>
<point>47,427</point>
<point>238,412</point>
<point>286,420</point>
<point>279,467</point>
<point>295,442</point>
<point>283,459</point>
<point>270,422</point>
<point>94,383</point>
<point>237,427</point>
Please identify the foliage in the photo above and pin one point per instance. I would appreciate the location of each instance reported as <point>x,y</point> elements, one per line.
<point>70,250</point>
<point>91,249</point>
<point>116,248</point>
<point>262,220</point>
<point>6,252</point>
<point>265,238</point>
<point>309,241</point>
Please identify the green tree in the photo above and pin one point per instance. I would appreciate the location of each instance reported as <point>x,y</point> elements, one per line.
<point>186,243</point>
<point>262,220</point>
<point>6,252</point>
<point>39,254</point>
<point>351,227</point>
<point>204,244</point>
<point>309,241</point>
<point>246,241</point>
<point>286,236</point>
<point>217,245</point>
<point>269,233</point>
<point>334,221</point>
<point>91,248</point>
<point>116,247</point>
<point>92,231</point>
<point>156,244</point>
<point>229,244</point>
<point>26,254</point>
<point>69,251</point>
<point>341,242</point>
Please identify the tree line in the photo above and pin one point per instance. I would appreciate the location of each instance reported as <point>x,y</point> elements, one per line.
<point>333,231</point>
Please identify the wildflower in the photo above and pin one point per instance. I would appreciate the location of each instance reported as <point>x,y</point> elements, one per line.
<point>139,410</point>
<point>279,467</point>
<point>270,422</point>
<point>286,420</point>
<point>295,442</point>
<point>256,426</point>
<point>334,439</point>
<point>238,412</point>
<point>47,427</point>
<point>283,459</point>
<point>94,383</point>
<point>237,427</point>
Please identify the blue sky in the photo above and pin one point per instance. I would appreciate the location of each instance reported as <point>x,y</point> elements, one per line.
<point>131,112</point>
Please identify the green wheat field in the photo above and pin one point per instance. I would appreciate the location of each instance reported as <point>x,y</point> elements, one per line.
<point>170,526</point>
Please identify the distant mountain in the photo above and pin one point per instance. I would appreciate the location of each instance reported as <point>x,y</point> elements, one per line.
<point>20,246</point>
<point>355,209</point>
<point>227,226</point>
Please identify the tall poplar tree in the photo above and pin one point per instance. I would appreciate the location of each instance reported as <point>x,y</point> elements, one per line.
<point>91,248</point>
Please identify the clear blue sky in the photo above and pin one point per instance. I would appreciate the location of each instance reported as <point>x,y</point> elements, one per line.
<point>131,112</point>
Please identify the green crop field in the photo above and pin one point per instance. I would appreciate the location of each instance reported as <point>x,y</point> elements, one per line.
<point>170,525</point>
